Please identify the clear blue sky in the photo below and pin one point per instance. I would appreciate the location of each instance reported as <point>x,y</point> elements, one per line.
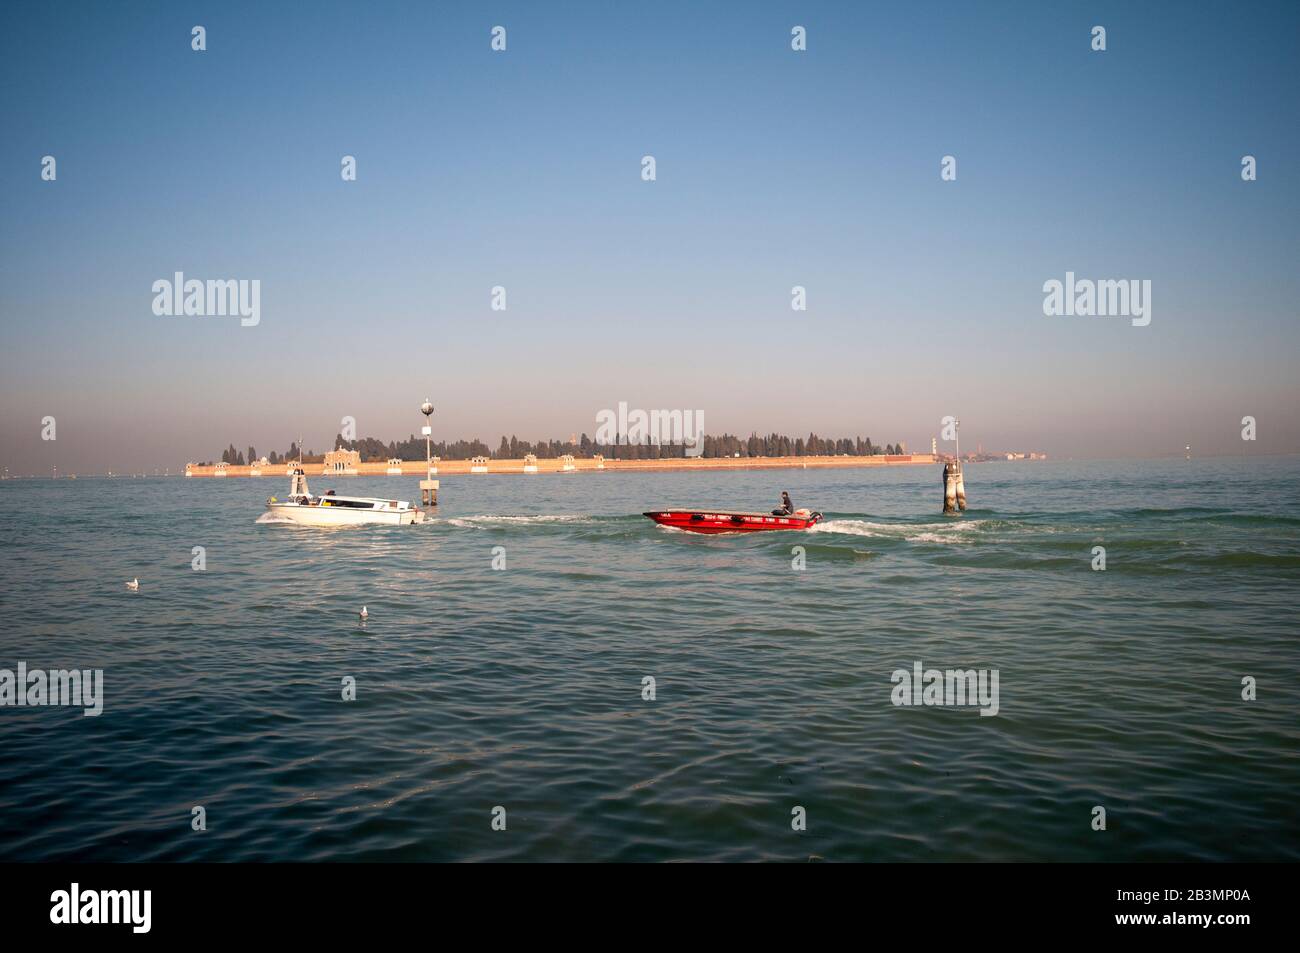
<point>522,169</point>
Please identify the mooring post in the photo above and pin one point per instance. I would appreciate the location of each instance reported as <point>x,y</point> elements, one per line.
<point>954,488</point>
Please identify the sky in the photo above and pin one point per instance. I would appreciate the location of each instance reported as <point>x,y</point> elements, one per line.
<point>523,169</point>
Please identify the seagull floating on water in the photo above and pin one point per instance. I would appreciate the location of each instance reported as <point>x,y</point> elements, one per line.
<point>364,614</point>
<point>133,585</point>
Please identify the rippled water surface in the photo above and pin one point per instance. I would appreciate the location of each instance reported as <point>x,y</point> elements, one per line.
<point>522,688</point>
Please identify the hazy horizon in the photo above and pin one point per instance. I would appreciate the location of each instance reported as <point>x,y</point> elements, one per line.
<point>522,169</point>
<point>170,469</point>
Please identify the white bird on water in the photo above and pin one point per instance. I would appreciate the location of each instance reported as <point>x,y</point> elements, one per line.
<point>133,585</point>
<point>364,614</point>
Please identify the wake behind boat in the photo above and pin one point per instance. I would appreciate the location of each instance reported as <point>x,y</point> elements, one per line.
<point>724,521</point>
<point>331,510</point>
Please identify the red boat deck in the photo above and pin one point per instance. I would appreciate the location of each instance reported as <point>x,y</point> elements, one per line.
<point>724,521</point>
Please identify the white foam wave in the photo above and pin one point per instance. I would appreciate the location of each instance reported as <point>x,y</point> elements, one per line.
<point>933,538</point>
<point>272,518</point>
<point>477,522</point>
<point>947,532</point>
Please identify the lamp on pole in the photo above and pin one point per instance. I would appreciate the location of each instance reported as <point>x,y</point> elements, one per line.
<point>428,486</point>
<point>427,409</point>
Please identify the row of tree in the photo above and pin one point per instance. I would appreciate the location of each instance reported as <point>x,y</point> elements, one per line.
<point>755,445</point>
<point>236,457</point>
<point>721,445</point>
<point>512,448</point>
<point>412,448</point>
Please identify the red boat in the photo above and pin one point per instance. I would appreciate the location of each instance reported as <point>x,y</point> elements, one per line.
<point>722,521</point>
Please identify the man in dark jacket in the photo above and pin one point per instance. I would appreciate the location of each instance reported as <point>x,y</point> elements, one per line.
<point>786,507</point>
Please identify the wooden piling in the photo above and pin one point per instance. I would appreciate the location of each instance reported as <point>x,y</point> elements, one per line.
<point>954,488</point>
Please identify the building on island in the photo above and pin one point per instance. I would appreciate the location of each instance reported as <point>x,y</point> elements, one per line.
<point>341,463</point>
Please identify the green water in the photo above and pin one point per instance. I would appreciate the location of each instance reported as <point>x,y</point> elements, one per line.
<point>522,687</point>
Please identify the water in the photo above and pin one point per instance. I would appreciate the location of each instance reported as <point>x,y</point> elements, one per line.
<point>522,688</point>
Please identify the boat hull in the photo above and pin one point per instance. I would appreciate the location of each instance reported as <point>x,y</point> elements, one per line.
<point>717,521</point>
<point>342,516</point>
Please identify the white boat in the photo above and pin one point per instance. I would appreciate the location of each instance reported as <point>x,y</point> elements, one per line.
<point>331,510</point>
